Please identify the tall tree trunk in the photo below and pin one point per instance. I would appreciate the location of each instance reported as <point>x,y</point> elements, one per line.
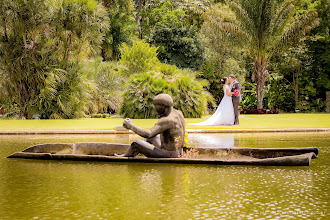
<point>68,49</point>
<point>260,90</point>
<point>137,19</point>
<point>296,88</point>
<point>261,72</point>
<point>5,33</point>
<point>22,100</point>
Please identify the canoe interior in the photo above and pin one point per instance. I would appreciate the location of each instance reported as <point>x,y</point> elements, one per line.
<point>87,148</point>
<point>106,151</point>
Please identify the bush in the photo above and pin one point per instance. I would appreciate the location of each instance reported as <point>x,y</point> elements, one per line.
<point>64,94</point>
<point>187,92</point>
<point>100,115</point>
<point>141,57</point>
<point>259,111</point>
<point>106,83</point>
<point>249,100</point>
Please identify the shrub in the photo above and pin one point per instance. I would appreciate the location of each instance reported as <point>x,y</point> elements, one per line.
<point>106,83</point>
<point>64,94</point>
<point>141,57</point>
<point>100,115</point>
<point>188,93</point>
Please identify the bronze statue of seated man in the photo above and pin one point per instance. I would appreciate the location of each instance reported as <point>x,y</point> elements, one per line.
<point>166,138</point>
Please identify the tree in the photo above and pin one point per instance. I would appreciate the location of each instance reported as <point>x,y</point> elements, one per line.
<point>106,84</point>
<point>180,46</point>
<point>140,57</point>
<point>264,27</point>
<point>24,33</point>
<point>41,43</point>
<point>139,15</point>
<point>319,47</point>
<point>80,28</point>
<point>222,58</point>
<point>295,60</point>
<point>193,10</point>
<point>122,27</point>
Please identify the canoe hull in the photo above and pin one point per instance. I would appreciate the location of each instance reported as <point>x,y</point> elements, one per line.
<point>220,156</point>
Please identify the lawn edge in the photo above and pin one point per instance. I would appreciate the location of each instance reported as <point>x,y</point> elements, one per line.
<point>195,131</point>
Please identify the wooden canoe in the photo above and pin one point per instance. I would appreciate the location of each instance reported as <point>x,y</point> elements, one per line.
<point>95,151</point>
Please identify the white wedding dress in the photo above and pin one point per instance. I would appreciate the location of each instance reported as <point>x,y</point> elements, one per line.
<point>224,114</point>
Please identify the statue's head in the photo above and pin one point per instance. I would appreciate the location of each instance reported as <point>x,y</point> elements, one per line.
<point>163,104</point>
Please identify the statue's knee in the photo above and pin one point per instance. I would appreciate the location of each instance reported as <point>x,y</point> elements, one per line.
<point>136,143</point>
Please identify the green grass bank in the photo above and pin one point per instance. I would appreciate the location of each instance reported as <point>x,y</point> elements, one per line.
<point>280,121</point>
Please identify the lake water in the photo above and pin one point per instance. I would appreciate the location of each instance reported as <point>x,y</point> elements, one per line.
<point>38,189</point>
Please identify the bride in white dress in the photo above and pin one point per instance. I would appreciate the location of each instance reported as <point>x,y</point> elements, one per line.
<point>224,114</point>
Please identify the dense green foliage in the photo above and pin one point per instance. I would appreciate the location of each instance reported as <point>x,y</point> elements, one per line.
<point>141,57</point>
<point>179,46</point>
<point>41,45</point>
<point>144,84</point>
<point>264,28</point>
<point>77,58</point>
<point>122,27</point>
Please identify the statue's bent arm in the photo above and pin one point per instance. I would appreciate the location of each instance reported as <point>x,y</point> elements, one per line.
<point>158,128</point>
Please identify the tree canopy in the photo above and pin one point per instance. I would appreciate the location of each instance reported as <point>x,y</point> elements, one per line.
<point>76,58</point>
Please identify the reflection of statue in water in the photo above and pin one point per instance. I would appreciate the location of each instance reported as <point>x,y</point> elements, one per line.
<point>165,138</point>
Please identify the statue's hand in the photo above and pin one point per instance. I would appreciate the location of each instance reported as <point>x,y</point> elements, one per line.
<point>127,123</point>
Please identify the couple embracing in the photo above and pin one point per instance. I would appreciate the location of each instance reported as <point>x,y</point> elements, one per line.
<point>227,111</point>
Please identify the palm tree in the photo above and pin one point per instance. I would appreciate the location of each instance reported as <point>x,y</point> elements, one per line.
<point>36,37</point>
<point>122,27</point>
<point>264,27</point>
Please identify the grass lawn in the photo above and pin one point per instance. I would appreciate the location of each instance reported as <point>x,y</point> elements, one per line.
<point>246,122</point>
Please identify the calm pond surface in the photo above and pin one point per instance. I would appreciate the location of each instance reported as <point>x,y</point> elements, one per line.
<point>37,189</point>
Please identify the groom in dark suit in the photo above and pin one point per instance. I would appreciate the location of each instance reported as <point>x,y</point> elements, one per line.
<point>234,85</point>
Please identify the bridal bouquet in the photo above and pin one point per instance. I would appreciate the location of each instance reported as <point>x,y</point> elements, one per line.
<point>236,92</point>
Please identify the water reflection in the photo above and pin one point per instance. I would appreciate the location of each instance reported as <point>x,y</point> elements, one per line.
<point>37,189</point>
<point>211,140</point>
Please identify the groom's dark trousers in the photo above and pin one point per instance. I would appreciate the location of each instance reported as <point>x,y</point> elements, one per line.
<point>236,85</point>
<point>235,104</point>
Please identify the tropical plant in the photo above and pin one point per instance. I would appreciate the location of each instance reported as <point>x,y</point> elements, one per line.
<point>193,10</point>
<point>249,100</point>
<point>80,27</point>
<point>293,65</point>
<point>163,15</point>
<point>140,57</point>
<point>278,93</point>
<point>64,93</point>
<point>264,27</point>
<point>37,36</point>
<point>24,47</point>
<point>106,84</point>
<point>222,58</point>
<point>318,48</point>
<point>188,93</point>
<point>122,27</point>
<point>217,49</point>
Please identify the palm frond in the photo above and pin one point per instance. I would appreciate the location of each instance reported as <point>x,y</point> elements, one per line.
<point>297,29</point>
<point>243,17</point>
<point>279,21</point>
